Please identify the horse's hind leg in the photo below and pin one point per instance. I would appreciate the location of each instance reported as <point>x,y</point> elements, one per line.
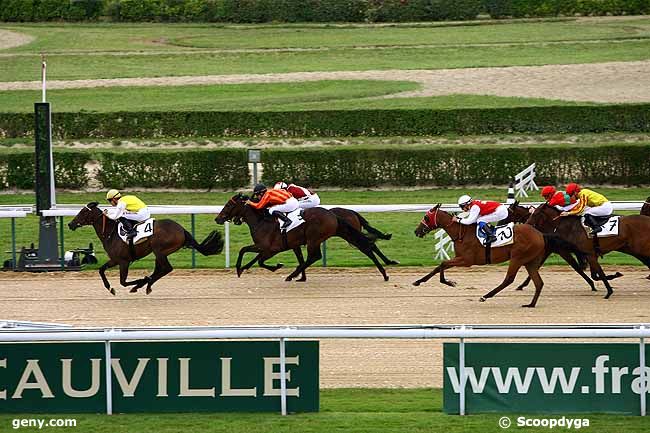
<point>301,261</point>
<point>381,255</point>
<point>513,268</point>
<point>533,272</point>
<point>456,261</point>
<point>102,274</point>
<point>381,269</point>
<point>598,273</point>
<point>124,273</point>
<point>163,267</point>
<point>313,255</point>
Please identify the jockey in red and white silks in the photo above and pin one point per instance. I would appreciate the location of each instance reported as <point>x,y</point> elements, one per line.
<point>481,211</point>
<point>306,197</point>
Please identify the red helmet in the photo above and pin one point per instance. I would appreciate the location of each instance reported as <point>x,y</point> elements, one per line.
<point>572,188</point>
<point>548,191</point>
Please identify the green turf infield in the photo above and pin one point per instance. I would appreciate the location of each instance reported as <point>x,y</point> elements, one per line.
<point>342,410</point>
<point>404,246</point>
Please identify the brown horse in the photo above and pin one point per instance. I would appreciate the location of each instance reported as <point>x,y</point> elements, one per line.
<point>529,249</point>
<point>168,237</point>
<point>645,209</point>
<point>633,237</point>
<point>320,224</point>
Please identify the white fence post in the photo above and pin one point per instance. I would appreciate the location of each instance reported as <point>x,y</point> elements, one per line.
<point>443,245</point>
<point>525,181</point>
<point>226,229</point>
<point>109,383</point>
<point>644,377</point>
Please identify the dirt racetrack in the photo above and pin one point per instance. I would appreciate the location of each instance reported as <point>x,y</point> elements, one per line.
<point>332,296</point>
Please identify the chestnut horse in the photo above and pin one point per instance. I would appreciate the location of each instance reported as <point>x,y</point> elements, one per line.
<point>529,249</point>
<point>633,236</point>
<point>168,237</point>
<point>320,224</point>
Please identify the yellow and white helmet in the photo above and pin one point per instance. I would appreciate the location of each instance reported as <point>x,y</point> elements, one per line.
<point>112,193</point>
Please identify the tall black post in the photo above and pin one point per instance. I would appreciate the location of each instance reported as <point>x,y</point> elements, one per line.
<point>45,198</point>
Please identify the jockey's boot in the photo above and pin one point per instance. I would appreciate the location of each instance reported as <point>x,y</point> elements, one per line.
<point>591,222</point>
<point>129,226</point>
<point>488,231</point>
<point>285,219</point>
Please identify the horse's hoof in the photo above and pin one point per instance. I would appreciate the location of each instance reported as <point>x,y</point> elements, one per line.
<point>482,299</point>
<point>528,306</point>
<point>279,266</point>
<point>607,295</point>
<point>392,262</point>
<point>519,288</point>
<point>417,283</point>
<point>618,275</point>
<point>386,277</point>
<point>148,290</point>
<point>289,278</point>
<point>134,290</point>
<point>302,279</point>
<point>450,283</point>
<point>112,290</point>
<point>593,289</point>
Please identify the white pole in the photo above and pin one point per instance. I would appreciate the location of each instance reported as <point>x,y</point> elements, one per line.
<point>109,383</point>
<point>43,74</point>
<point>644,377</point>
<point>283,377</point>
<point>463,379</point>
<point>227,231</point>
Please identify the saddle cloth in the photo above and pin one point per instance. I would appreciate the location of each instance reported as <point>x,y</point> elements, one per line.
<point>610,227</point>
<point>296,219</point>
<point>505,235</point>
<point>144,230</point>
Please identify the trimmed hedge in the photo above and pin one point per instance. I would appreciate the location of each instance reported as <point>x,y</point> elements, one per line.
<point>555,119</point>
<point>190,169</point>
<point>620,164</point>
<point>292,11</point>
<point>615,164</point>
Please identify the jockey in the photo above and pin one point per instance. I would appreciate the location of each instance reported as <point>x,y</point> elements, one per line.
<point>128,209</point>
<point>562,201</point>
<point>278,201</point>
<point>590,204</point>
<point>482,212</point>
<point>306,197</point>
<point>548,192</point>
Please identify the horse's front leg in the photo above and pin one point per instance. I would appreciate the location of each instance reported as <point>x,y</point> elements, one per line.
<point>102,274</point>
<point>240,257</point>
<point>443,280</point>
<point>456,261</point>
<point>124,273</point>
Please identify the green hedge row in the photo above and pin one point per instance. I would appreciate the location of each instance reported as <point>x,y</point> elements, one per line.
<point>555,119</point>
<point>51,10</point>
<point>257,11</point>
<point>190,169</point>
<point>621,164</point>
<point>615,164</point>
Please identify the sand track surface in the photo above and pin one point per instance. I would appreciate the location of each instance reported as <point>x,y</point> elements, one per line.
<point>331,296</point>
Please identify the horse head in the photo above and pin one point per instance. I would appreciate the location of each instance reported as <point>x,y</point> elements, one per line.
<point>429,222</point>
<point>543,217</point>
<point>518,213</point>
<point>233,210</point>
<point>86,216</point>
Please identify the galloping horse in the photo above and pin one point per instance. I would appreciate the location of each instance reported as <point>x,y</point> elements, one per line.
<point>320,224</point>
<point>168,237</point>
<point>529,249</point>
<point>633,236</point>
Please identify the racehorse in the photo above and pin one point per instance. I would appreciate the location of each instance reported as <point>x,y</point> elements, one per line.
<point>529,249</point>
<point>168,237</point>
<point>633,236</point>
<point>320,224</point>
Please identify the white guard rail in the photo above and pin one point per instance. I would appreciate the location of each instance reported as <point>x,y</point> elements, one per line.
<point>461,332</point>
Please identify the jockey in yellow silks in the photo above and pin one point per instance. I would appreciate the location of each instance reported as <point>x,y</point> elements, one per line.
<point>589,203</point>
<point>127,209</point>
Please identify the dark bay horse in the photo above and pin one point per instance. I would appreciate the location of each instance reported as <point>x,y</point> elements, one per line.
<point>633,236</point>
<point>320,224</point>
<point>520,214</point>
<point>529,249</point>
<point>168,238</point>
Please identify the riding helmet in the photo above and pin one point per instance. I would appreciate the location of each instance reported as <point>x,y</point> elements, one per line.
<point>259,189</point>
<point>113,193</point>
<point>464,200</point>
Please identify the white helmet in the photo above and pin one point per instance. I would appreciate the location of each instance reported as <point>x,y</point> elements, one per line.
<point>280,185</point>
<point>464,200</point>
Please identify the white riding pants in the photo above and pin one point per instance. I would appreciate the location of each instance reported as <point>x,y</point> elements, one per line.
<point>309,201</point>
<point>499,214</point>
<point>604,209</point>
<point>139,216</point>
<point>289,206</point>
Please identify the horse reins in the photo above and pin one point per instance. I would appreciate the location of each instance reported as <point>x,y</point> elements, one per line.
<point>435,225</point>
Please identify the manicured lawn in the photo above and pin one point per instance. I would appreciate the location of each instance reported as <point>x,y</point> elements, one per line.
<point>342,410</point>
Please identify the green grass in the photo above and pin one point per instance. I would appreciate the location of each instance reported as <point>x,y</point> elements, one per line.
<point>404,246</point>
<point>319,95</point>
<point>331,48</point>
<point>243,97</point>
<point>344,410</point>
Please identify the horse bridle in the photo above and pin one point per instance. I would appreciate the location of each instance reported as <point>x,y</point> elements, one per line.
<point>435,224</point>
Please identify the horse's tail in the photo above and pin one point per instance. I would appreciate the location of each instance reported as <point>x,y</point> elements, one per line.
<point>376,234</point>
<point>352,235</point>
<point>211,245</point>
<point>555,244</point>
